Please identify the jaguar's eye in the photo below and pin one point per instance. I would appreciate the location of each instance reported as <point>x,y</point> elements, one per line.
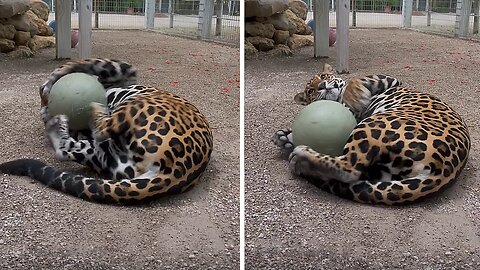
<point>310,91</point>
<point>323,76</point>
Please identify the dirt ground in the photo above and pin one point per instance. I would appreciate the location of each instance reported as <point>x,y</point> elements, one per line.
<point>290,224</point>
<point>44,229</point>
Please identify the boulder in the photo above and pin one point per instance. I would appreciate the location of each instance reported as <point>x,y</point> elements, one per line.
<point>261,43</point>
<point>280,21</point>
<point>40,42</point>
<point>7,31</point>
<point>264,8</point>
<point>41,25</point>
<point>6,45</point>
<point>300,24</point>
<point>281,36</point>
<point>22,38</point>
<point>298,7</point>
<point>40,9</point>
<point>298,41</point>
<point>20,22</point>
<point>259,29</point>
<point>280,50</point>
<point>250,51</point>
<point>10,8</point>
<point>21,52</point>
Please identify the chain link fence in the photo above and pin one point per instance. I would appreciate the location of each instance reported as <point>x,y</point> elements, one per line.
<point>174,17</point>
<point>431,16</point>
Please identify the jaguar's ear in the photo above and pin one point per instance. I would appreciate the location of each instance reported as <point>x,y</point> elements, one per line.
<point>300,99</point>
<point>327,68</point>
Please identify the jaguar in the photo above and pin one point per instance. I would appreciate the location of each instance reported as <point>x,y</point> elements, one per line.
<point>406,146</point>
<point>144,144</point>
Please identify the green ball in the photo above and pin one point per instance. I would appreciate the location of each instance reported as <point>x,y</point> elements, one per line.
<point>324,126</point>
<point>72,95</point>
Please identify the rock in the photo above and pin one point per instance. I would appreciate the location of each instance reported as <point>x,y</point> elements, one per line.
<point>6,45</point>
<point>250,51</point>
<point>281,36</point>
<point>40,9</point>
<point>298,7</point>
<point>7,31</point>
<point>300,24</point>
<point>21,52</point>
<point>264,8</point>
<point>280,21</point>
<point>20,22</point>
<point>41,25</point>
<point>10,8</point>
<point>259,29</point>
<point>261,43</point>
<point>298,41</point>
<point>40,42</point>
<point>22,38</point>
<point>280,50</point>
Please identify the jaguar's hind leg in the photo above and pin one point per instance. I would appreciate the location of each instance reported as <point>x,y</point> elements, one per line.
<point>307,162</point>
<point>284,138</point>
<point>67,148</point>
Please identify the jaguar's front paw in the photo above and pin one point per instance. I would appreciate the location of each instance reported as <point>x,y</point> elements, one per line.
<point>299,160</point>
<point>283,138</point>
<point>57,129</point>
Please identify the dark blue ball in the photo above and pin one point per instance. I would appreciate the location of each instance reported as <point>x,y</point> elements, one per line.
<point>53,25</point>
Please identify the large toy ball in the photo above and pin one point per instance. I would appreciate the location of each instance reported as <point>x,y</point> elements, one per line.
<point>72,95</point>
<point>332,33</point>
<point>324,126</point>
<point>53,25</point>
<point>74,38</point>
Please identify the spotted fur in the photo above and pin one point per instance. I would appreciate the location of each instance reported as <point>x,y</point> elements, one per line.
<point>407,144</point>
<point>146,143</point>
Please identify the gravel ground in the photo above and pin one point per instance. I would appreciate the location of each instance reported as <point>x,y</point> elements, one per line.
<point>44,229</point>
<point>290,224</point>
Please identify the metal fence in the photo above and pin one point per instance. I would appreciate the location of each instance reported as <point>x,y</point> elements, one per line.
<point>432,16</point>
<point>173,17</point>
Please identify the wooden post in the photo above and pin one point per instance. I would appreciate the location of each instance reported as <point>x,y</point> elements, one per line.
<point>95,9</point>
<point>476,13</point>
<point>219,14</point>
<point>149,14</point>
<point>407,10</point>
<point>320,17</point>
<point>170,12</point>
<point>63,14</point>
<point>429,12</point>
<point>462,17</point>
<point>354,13</point>
<point>205,14</point>
<point>85,29</point>
<point>343,14</point>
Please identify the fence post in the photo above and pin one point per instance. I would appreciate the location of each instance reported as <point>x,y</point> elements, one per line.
<point>205,14</point>
<point>170,12</point>
<point>407,10</point>
<point>343,14</point>
<point>428,7</point>
<point>354,13</point>
<point>320,18</point>
<point>149,14</point>
<point>63,14</point>
<point>85,29</point>
<point>95,10</point>
<point>219,13</point>
<point>476,19</point>
<point>462,17</point>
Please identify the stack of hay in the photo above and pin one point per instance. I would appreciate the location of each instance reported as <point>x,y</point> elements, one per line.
<point>276,26</point>
<point>23,27</point>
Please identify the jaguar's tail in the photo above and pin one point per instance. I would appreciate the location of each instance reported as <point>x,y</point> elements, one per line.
<point>127,191</point>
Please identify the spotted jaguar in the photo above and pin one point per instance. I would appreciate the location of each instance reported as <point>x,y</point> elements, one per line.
<point>144,144</point>
<point>407,144</point>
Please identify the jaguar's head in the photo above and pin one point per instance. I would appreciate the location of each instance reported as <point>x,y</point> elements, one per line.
<point>323,86</point>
